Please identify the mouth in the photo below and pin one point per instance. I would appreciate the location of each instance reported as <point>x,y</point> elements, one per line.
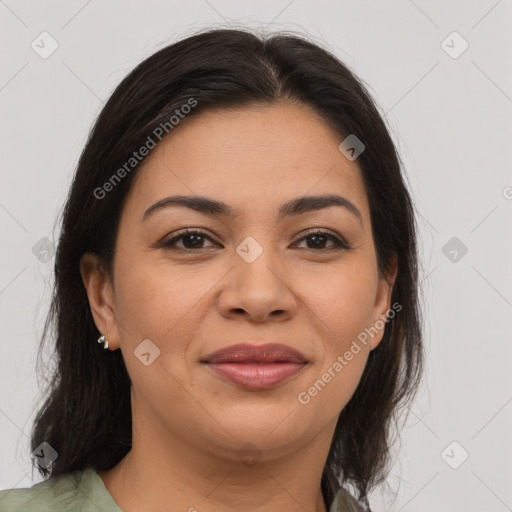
<point>256,367</point>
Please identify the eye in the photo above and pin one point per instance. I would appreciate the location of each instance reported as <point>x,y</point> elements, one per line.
<point>192,239</point>
<point>319,238</point>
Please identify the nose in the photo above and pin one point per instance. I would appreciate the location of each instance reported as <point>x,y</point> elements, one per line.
<point>258,291</point>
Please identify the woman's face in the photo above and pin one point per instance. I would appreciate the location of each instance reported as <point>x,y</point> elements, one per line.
<point>252,276</point>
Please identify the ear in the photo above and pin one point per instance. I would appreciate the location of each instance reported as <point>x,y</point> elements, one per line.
<point>383,302</point>
<point>101,297</point>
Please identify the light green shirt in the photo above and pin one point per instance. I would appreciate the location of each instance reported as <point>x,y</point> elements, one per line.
<point>86,492</point>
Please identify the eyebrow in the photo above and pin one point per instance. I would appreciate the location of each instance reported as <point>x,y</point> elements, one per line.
<point>295,206</point>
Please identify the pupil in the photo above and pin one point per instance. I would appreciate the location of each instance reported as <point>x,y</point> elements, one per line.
<point>318,238</point>
<point>196,241</point>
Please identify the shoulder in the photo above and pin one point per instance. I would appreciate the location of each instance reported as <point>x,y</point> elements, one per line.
<point>49,495</point>
<point>76,491</point>
<point>345,502</point>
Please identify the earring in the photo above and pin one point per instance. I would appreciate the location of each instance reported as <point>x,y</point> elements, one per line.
<point>103,339</point>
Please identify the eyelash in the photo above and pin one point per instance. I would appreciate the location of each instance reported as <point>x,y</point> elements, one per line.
<point>340,244</point>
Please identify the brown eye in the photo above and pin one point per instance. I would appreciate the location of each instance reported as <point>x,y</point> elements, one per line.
<point>317,240</point>
<point>191,240</point>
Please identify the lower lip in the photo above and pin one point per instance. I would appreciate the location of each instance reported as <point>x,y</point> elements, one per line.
<point>257,376</point>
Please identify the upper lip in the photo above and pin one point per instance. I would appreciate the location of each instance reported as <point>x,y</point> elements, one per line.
<point>246,353</point>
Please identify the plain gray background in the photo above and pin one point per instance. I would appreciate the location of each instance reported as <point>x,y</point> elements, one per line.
<point>451,117</point>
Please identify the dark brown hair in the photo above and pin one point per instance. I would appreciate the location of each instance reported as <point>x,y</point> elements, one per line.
<point>90,427</point>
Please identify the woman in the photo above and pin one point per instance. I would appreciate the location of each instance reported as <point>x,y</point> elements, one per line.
<point>240,241</point>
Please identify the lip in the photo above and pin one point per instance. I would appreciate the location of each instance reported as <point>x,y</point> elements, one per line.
<point>256,367</point>
<point>246,353</point>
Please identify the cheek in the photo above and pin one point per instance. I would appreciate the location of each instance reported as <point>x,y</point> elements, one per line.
<point>160,302</point>
<point>342,300</point>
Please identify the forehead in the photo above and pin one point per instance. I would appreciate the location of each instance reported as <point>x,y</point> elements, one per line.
<point>249,156</point>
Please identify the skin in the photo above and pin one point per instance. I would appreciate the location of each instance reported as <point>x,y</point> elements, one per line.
<point>189,424</point>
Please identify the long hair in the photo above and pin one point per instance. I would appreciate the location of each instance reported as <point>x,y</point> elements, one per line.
<point>86,416</point>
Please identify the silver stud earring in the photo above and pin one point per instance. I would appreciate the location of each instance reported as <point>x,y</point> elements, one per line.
<point>103,339</point>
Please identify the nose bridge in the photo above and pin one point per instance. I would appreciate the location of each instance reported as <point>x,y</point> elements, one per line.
<point>250,250</point>
<point>258,260</point>
<point>257,286</point>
